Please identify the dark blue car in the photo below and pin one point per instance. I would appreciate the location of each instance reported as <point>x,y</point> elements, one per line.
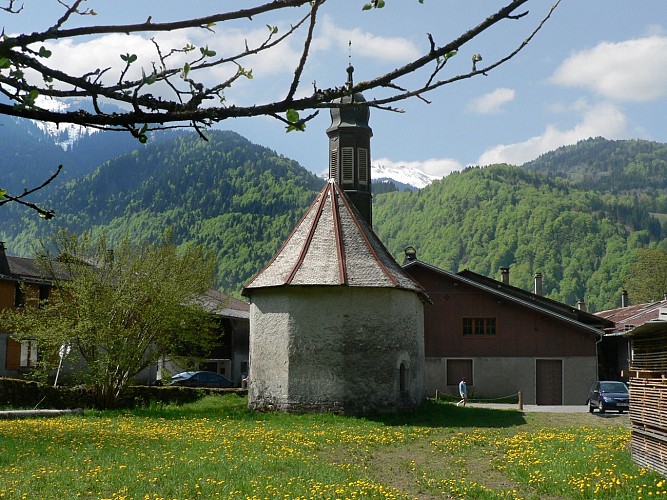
<point>201,379</point>
<point>608,395</point>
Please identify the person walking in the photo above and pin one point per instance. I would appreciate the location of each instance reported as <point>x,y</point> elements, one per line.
<point>463,391</point>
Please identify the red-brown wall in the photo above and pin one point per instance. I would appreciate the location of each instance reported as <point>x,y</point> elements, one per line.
<point>520,331</point>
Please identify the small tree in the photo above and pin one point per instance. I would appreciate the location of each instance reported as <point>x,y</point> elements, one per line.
<point>646,280</point>
<point>119,311</point>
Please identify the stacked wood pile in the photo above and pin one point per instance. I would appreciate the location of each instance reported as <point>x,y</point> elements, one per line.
<point>648,396</point>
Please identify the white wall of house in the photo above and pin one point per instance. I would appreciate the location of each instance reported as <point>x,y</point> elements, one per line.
<point>498,377</point>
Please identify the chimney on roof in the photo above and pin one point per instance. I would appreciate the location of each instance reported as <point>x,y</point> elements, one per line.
<point>410,255</point>
<point>538,284</point>
<point>4,264</point>
<point>581,305</point>
<point>624,298</point>
<point>505,275</point>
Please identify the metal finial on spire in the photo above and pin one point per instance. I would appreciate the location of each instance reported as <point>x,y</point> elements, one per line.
<point>350,68</point>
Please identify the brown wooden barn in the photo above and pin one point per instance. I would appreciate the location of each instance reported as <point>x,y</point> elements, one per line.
<point>504,339</point>
<point>648,393</point>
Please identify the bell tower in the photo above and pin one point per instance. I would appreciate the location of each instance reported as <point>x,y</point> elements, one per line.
<point>350,149</point>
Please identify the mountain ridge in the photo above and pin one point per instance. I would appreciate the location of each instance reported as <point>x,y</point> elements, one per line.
<point>241,200</point>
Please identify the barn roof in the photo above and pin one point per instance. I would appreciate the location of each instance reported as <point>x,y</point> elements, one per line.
<point>225,305</point>
<point>333,246</point>
<point>20,268</point>
<point>586,321</point>
<point>541,301</point>
<point>629,317</point>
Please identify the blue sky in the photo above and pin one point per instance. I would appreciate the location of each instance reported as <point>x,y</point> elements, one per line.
<point>597,68</point>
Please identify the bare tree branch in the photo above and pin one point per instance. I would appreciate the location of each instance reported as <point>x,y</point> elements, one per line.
<point>192,101</point>
<point>175,89</point>
<point>189,101</point>
<point>306,50</point>
<point>475,72</point>
<point>46,214</point>
<point>11,7</point>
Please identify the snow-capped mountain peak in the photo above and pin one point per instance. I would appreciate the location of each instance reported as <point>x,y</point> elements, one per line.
<point>401,174</point>
<point>63,134</point>
<point>404,176</point>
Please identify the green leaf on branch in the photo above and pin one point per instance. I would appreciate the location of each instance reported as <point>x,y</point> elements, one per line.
<point>141,134</point>
<point>374,4</point>
<point>30,98</point>
<point>186,71</point>
<point>206,52</point>
<point>150,79</point>
<point>447,56</point>
<point>128,58</point>
<point>293,118</point>
<point>44,52</point>
<point>246,73</point>
<point>5,63</point>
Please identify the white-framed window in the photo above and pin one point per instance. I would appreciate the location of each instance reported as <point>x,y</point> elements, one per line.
<point>28,358</point>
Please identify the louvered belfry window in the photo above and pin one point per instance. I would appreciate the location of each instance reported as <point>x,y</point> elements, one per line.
<point>333,164</point>
<point>347,165</point>
<point>362,154</point>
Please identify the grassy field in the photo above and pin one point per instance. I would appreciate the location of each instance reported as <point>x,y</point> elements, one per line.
<point>217,449</point>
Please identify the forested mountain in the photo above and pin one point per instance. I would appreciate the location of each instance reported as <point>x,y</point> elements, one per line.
<point>503,216</point>
<point>238,199</point>
<point>241,201</point>
<point>30,155</point>
<point>611,167</point>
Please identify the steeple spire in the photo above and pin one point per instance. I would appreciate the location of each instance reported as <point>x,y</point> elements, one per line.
<point>350,149</point>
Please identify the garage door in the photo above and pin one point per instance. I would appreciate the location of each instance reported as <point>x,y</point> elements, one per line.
<point>549,381</point>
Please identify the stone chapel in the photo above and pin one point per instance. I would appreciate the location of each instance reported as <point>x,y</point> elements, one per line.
<point>336,325</point>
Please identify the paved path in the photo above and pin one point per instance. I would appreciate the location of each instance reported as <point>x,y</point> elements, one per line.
<point>11,414</point>
<point>533,408</point>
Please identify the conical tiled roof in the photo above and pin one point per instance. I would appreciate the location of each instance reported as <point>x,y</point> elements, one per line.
<point>332,245</point>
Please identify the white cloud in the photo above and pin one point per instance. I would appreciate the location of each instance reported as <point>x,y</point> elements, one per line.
<point>434,167</point>
<point>492,102</point>
<point>392,49</point>
<point>603,119</point>
<point>272,70</point>
<point>633,70</point>
<point>101,53</point>
<point>104,52</point>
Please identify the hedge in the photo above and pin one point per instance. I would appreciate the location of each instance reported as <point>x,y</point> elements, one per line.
<point>23,394</point>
